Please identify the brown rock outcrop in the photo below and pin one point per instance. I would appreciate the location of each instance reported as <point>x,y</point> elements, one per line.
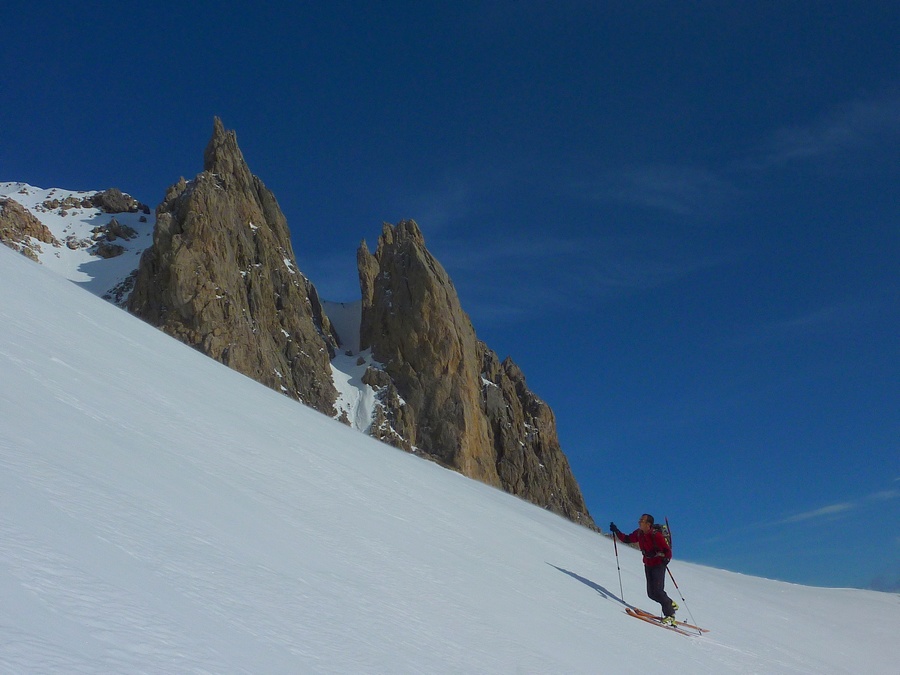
<point>443,392</point>
<point>530,461</point>
<point>412,319</point>
<point>19,229</point>
<point>221,276</point>
<point>114,200</point>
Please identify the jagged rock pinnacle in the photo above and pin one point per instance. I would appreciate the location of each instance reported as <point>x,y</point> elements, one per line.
<point>221,276</point>
<point>443,392</point>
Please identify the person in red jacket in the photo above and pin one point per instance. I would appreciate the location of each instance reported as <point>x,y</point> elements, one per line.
<point>657,554</point>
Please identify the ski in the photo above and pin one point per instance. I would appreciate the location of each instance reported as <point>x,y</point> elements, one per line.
<point>683,624</point>
<point>656,622</point>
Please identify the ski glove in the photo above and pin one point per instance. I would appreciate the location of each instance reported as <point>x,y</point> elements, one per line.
<point>613,528</point>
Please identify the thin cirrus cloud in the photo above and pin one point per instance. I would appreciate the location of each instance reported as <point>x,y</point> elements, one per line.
<point>829,510</point>
<point>679,190</point>
<point>703,193</point>
<point>880,496</point>
<point>818,319</point>
<point>832,318</point>
<point>530,275</point>
<point>853,125</point>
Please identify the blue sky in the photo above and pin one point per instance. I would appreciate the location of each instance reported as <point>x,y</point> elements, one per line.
<point>680,219</point>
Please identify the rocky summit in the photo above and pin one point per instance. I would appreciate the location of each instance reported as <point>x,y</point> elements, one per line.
<point>221,276</point>
<point>443,392</point>
<point>219,273</point>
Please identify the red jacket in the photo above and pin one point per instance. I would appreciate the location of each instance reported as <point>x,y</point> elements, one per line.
<point>651,544</point>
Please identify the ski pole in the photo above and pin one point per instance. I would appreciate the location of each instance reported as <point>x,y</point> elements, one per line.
<point>616,547</point>
<point>672,577</point>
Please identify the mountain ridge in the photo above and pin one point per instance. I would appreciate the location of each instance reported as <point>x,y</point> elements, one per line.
<point>221,276</point>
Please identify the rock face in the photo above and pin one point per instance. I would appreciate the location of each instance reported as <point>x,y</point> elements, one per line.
<point>526,448</point>
<point>443,392</point>
<point>112,200</point>
<point>18,227</point>
<point>221,276</point>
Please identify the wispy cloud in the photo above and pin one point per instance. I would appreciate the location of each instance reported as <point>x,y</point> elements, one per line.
<point>680,190</point>
<point>804,323</point>
<point>853,125</point>
<point>706,192</point>
<point>842,507</point>
<point>812,321</point>
<point>884,495</point>
<point>527,276</point>
<point>822,512</point>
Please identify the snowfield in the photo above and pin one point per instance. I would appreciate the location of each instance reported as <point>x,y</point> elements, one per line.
<point>164,514</point>
<point>76,225</point>
<point>103,277</point>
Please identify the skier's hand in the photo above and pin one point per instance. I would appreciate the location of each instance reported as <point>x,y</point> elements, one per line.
<point>613,528</point>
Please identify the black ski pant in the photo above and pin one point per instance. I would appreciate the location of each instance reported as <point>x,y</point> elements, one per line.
<point>656,581</point>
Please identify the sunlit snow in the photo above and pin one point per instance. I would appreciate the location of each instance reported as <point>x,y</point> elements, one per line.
<point>164,514</point>
<point>98,275</point>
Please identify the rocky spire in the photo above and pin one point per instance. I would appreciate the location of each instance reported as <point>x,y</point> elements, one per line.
<point>413,321</point>
<point>524,442</point>
<point>442,391</point>
<point>224,158</point>
<point>221,276</point>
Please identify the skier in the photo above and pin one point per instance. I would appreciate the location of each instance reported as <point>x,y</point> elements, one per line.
<point>657,554</point>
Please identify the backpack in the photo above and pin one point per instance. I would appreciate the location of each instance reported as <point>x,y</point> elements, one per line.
<point>664,529</point>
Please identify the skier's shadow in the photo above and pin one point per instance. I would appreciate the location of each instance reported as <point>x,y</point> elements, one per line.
<point>605,593</point>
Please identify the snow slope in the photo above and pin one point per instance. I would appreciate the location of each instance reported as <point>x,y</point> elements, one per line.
<point>162,513</point>
<point>77,263</point>
<point>101,276</point>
